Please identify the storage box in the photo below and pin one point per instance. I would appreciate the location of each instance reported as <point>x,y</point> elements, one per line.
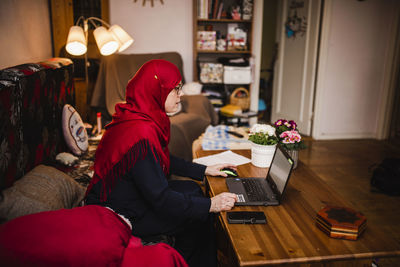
<point>341,222</point>
<point>206,40</point>
<point>237,75</point>
<point>211,72</point>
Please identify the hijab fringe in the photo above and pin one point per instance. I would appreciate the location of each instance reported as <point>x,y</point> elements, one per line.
<point>135,153</point>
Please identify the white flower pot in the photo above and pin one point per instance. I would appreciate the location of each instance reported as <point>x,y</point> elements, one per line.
<point>261,155</point>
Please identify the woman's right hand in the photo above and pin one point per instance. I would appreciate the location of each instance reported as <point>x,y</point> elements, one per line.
<point>223,202</point>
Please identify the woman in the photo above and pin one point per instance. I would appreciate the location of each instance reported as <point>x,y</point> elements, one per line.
<point>133,162</point>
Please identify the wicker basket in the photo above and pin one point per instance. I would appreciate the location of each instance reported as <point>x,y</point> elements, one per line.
<point>240,97</point>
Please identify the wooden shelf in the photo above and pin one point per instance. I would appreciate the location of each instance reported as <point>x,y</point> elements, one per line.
<point>223,52</point>
<point>225,20</point>
<point>221,27</point>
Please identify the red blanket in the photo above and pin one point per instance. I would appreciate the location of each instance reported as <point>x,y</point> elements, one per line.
<point>84,236</point>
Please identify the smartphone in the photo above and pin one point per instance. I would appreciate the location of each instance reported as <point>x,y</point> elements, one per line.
<point>246,217</point>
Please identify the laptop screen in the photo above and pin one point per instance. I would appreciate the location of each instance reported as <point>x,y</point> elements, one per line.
<point>280,169</point>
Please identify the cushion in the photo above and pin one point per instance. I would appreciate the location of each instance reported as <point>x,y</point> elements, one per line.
<point>141,256</point>
<point>74,130</point>
<point>83,236</point>
<point>42,189</point>
<point>192,88</point>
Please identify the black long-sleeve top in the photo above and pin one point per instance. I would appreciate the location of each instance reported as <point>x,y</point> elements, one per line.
<point>144,195</point>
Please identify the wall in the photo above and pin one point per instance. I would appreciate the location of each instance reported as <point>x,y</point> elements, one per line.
<point>25,32</point>
<point>161,28</point>
<point>356,56</point>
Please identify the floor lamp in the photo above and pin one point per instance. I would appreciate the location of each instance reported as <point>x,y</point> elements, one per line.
<point>108,40</point>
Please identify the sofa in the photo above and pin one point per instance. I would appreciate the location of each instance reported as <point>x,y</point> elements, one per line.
<point>187,125</point>
<point>42,219</point>
<point>32,97</point>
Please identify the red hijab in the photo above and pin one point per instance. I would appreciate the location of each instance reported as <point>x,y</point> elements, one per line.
<point>138,125</point>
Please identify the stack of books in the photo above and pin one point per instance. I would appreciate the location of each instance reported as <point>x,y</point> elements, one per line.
<point>210,9</point>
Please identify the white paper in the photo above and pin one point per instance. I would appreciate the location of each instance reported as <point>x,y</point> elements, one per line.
<point>223,157</point>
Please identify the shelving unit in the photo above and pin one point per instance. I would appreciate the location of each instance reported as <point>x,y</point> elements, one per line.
<point>220,26</point>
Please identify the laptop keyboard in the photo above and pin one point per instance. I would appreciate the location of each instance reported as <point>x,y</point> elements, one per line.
<point>254,190</point>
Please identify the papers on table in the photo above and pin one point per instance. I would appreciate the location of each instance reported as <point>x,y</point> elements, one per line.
<point>223,157</point>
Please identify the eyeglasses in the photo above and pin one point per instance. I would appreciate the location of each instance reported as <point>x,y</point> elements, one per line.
<point>178,88</point>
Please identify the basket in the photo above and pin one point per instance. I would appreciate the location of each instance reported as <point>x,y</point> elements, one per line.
<point>240,97</point>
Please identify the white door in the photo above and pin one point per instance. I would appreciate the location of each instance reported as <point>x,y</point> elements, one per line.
<point>295,68</point>
<point>358,61</point>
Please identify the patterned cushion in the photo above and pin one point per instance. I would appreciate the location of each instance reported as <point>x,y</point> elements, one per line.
<point>74,130</point>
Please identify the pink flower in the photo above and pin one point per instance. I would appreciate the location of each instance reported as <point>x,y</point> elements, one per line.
<point>293,125</point>
<point>290,137</point>
<point>279,122</point>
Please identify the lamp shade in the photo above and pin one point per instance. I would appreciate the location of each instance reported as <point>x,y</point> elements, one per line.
<point>76,41</point>
<point>105,41</point>
<point>124,39</point>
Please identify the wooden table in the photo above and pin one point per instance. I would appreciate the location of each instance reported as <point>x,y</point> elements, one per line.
<point>290,235</point>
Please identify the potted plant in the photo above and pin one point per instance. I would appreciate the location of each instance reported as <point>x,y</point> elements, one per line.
<point>289,138</point>
<point>263,144</point>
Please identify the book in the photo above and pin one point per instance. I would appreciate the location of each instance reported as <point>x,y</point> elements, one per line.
<point>220,10</point>
<point>215,9</point>
<point>231,110</point>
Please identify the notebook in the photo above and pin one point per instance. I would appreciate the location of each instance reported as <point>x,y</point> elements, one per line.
<point>268,191</point>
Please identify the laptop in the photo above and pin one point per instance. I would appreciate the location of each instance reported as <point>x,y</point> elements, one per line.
<point>268,191</point>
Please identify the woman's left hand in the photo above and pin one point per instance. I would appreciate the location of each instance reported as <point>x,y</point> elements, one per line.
<point>215,170</point>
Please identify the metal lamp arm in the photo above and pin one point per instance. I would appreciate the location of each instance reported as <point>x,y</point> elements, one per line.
<point>91,19</point>
<point>81,18</point>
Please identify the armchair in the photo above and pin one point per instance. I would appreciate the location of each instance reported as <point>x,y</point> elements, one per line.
<point>186,126</point>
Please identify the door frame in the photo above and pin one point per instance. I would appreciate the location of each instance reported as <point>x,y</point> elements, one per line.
<point>304,118</point>
<point>390,80</point>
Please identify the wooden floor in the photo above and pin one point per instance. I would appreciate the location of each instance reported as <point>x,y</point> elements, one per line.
<point>346,166</point>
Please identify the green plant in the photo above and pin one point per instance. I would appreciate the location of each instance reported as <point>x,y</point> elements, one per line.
<point>263,134</point>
